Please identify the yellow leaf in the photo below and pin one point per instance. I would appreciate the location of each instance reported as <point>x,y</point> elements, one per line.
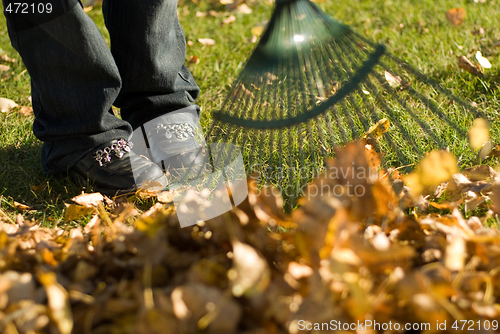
<point>58,302</point>
<point>377,130</point>
<point>482,61</point>
<point>74,211</point>
<point>434,169</point>
<point>479,133</point>
<point>258,29</point>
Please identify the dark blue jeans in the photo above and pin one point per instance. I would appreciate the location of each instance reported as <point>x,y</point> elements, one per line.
<point>76,78</point>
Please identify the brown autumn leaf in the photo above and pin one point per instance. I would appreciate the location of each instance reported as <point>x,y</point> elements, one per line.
<point>465,64</point>
<point>21,207</point>
<point>194,60</point>
<point>25,111</point>
<point>456,16</point>
<point>38,188</point>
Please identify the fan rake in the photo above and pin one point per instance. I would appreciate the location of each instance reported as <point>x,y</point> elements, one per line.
<point>313,84</point>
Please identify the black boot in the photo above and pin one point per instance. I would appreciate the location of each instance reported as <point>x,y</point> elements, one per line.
<point>114,168</point>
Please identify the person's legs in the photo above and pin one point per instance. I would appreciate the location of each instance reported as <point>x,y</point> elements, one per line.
<point>74,82</point>
<point>149,48</point>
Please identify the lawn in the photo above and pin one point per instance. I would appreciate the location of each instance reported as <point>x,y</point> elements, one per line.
<point>417,32</point>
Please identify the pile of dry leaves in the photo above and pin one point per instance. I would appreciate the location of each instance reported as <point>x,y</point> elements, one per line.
<point>388,255</point>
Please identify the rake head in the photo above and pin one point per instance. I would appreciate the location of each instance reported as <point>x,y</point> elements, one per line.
<point>313,84</point>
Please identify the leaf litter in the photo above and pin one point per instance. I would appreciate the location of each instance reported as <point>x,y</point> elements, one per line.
<point>408,249</point>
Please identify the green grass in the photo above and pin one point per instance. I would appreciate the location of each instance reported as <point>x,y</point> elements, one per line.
<point>416,31</point>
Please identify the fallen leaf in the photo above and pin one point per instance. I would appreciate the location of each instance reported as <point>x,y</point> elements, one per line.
<point>259,28</point>
<point>479,133</point>
<point>165,197</point>
<point>456,250</point>
<point>25,111</point>
<point>482,61</point>
<point>465,63</point>
<point>479,31</point>
<point>194,60</point>
<point>74,212</point>
<point>377,130</point>
<point>250,273</point>
<point>6,58</point>
<point>394,81</point>
<point>479,173</point>
<point>435,168</point>
<point>6,104</point>
<point>206,41</point>
<point>229,19</point>
<point>244,9</point>
<point>58,302</point>
<point>21,207</point>
<point>201,14</point>
<point>38,188</point>
<point>89,200</point>
<point>4,68</point>
<point>456,16</point>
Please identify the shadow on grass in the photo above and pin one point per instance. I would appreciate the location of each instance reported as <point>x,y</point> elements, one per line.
<point>23,180</point>
<point>478,88</point>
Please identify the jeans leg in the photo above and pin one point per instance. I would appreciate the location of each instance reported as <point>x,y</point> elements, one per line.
<point>74,82</point>
<point>149,48</point>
